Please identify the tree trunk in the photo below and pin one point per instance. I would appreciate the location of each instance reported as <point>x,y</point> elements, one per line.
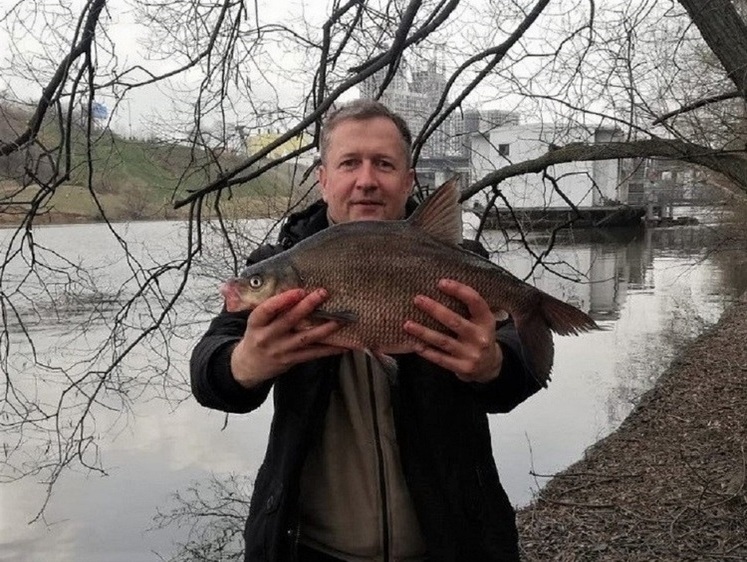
<point>725,33</point>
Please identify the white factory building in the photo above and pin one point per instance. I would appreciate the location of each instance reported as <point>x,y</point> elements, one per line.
<point>586,184</point>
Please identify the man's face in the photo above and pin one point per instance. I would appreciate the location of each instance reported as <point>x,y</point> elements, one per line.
<point>365,175</point>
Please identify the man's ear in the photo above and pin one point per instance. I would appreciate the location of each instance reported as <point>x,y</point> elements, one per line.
<point>321,175</point>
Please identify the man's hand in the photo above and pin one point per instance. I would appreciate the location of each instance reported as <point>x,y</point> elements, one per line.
<point>472,353</point>
<point>274,341</point>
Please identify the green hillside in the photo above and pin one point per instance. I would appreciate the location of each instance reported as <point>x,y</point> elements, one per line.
<point>130,179</point>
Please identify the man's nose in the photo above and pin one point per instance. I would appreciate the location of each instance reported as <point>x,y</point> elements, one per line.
<point>366,175</point>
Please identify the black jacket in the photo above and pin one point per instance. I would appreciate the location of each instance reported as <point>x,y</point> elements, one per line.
<point>441,424</point>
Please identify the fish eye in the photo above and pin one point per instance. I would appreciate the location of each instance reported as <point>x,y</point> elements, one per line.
<point>255,281</point>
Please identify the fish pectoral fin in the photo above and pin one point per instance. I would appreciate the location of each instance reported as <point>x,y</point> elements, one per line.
<point>388,364</point>
<point>341,316</point>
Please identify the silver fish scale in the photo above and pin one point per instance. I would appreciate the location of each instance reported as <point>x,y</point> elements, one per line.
<point>374,273</point>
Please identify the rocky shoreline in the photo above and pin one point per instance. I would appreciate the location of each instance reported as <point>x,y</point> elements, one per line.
<point>671,482</point>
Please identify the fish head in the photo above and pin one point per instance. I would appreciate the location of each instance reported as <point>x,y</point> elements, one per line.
<point>257,283</point>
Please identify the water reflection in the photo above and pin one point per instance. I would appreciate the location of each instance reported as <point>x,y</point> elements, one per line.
<point>651,289</point>
<point>596,269</point>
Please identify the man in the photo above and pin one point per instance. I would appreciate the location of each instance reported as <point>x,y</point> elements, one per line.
<point>358,468</point>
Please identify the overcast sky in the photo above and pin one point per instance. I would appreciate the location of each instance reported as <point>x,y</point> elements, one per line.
<point>154,108</point>
<point>24,50</point>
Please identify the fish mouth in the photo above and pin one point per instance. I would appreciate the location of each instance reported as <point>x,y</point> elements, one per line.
<point>231,292</point>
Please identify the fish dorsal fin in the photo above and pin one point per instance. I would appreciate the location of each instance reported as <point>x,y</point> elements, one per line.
<point>440,214</point>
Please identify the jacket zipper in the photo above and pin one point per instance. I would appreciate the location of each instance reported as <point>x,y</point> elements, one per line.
<point>379,459</point>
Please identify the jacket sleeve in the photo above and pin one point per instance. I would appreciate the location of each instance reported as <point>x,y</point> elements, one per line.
<point>212,381</point>
<point>515,383</point>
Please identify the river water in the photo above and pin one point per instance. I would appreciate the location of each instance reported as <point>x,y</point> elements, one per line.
<point>651,290</point>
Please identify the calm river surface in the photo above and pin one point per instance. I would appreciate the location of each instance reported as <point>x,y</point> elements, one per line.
<point>651,290</point>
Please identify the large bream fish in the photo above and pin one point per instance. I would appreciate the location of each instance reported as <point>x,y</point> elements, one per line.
<point>373,269</point>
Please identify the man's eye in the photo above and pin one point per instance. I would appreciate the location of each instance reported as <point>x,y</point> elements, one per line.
<point>348,163</point>
<point>385,165</point>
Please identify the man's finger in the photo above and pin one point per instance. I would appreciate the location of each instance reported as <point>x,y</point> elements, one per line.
<point>307,305</point>
<point>286,314</point>
<point>478,308</point>
<point>314,335</point>
<point>443,314</point>
<point>314,352</point>
<point>266,312</point>
<point>433,338</point>
<point>441,359</point>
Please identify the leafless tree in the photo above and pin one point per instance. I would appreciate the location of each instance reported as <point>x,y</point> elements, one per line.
<point>669,75</point>
<point>213,514</point>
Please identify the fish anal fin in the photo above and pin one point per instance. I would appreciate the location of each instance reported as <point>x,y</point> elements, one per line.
<point>535,329</point>
<point>537,347</point>
<point>440,214</point>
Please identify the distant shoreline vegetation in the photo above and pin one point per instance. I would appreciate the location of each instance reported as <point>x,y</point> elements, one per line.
<point>129,179</point>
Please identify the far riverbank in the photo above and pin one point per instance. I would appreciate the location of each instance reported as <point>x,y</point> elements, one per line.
<point>76,205</point>
<point>671,482</point>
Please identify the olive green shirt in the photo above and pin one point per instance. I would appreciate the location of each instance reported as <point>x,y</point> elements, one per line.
<point>354,502</point>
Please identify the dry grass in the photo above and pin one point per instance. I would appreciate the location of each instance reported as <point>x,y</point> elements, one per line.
<point>671,483</point>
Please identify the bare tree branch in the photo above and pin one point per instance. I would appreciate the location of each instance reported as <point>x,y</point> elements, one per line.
<point>696,105</point>
<point>733,166</point>
<point>50,95</point>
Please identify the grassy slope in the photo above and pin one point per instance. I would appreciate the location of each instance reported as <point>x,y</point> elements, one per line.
<point>135,179</point>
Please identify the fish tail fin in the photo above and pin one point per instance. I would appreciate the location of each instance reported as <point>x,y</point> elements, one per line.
<point>564,319</point>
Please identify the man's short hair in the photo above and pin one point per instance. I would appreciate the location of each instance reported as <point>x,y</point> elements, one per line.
<point>360,110</point>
